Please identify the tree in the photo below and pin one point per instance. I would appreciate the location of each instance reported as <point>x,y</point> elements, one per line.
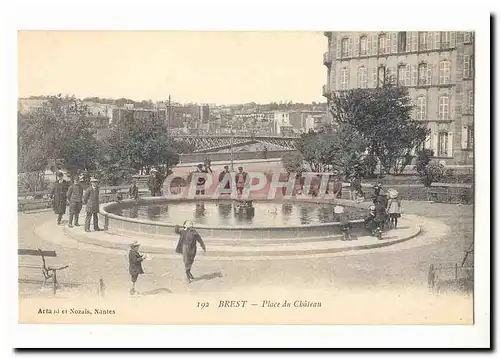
<point>293,163</point>
<point>428,170</point>
<point>57,130</point>
<point>382,117</point>
<point>141,144</point>
<point>432,172</point>
<point>423,158</point>
<point>339,150</point>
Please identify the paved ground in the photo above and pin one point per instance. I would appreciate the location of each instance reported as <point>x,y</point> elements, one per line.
<point>381,269</point>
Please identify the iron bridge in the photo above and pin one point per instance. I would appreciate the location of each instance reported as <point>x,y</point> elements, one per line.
<point>214,143</point>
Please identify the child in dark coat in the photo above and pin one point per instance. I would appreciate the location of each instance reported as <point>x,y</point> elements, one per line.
<point>135,264</point>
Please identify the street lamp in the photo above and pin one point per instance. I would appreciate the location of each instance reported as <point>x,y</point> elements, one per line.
<point>232,161</point>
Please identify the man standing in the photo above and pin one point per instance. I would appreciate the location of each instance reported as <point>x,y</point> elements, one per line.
<point>241,180</point>
<point>225,176</point>
<point>155,182</point>
<point>91,200</point>
<point>208,163</point>
<point>133,192</point>
<point>75,196</point>
<point>187,247</point>
<point>59,197</point>
<point>201,180</point>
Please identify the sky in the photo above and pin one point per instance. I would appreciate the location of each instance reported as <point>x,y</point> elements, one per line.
<point>203,67</point>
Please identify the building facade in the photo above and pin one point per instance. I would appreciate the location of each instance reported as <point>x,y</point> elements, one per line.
<point>138,114</point>
<point>437,68</point>
<point>281,123</point>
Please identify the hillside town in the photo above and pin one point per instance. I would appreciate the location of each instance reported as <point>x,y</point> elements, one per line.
<point>283,119</point>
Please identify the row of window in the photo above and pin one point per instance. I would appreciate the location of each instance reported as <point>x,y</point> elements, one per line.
<point>397,42</point>
<point>406,75</point>
<point>444,106</point>
<point>444,145</point>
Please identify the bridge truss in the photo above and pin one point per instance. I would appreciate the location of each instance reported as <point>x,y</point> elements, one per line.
<point>214,143</point>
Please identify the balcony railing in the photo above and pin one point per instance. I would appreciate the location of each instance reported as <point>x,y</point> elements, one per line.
<point>327,59</point>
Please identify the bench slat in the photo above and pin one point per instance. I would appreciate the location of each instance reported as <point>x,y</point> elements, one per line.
<point>32,266</point>
<point>30,252</point>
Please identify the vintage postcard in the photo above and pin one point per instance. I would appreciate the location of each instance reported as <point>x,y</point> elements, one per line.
<point>246,178</point>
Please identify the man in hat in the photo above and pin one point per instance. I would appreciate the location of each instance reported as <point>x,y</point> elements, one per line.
<point>208,163</point>
<point>59,196</point>
<point>200,183</point>
<point>75,196</point>
<point>91,200</point>
<point>189,237</point>
<point>155,182</point>
<point>378,189</point>
<point>133,191</point>
<point>225,176</point>
<point>241,180</point>
<point>135,264</point>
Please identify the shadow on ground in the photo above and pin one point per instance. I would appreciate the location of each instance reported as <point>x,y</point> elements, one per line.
<point>156,291</point>
<point>208,276</point>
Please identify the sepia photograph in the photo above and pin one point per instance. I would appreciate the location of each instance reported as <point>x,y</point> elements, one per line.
<point>247,177</point>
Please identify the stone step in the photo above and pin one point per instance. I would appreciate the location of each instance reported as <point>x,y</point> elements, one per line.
<point>232,241</point>
<point>154,246</point>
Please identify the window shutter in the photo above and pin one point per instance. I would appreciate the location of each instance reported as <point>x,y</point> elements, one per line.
<point>374,77</point>
<point>339,47</point>
<point>356,46</point>
<point>394,41</point>
<point>450,144</point>
<point>429,75</point>
<point>408,41</point>
<point>414,75</point>
<point>414,41</point>
<point>368,45</point>
<point>466,70</point>
<point>437,40</point>
<point>453,39</point>
<point>435,142</point>
<point>408,75</point>
<point>430,41</point>
<point>374,45</point>
<point>349,49</point>
<point>427,143</point>
<point>464,137</point>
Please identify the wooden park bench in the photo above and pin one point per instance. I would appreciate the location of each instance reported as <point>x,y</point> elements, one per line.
<point>48,272</point>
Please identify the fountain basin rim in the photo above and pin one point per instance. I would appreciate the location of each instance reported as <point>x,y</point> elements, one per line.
<point>162,199</point>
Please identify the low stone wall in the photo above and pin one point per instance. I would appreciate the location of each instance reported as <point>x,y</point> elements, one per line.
<point>143,227</point>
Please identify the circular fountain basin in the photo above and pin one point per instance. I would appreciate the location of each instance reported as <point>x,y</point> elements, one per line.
<point>225,218</point>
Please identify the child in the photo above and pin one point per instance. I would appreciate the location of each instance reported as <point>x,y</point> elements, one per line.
<point>394,207</point>
<point>135,264</point>
<point>345,226</point>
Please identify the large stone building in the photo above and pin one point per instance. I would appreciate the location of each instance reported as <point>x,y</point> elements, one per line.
<point>437,67</point>
<point>138,114</point>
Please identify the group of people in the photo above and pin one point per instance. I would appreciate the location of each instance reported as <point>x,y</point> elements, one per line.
<point>239,182</point>
<point>189,238</point>
<point>74,195</point>
<point>386,209</point>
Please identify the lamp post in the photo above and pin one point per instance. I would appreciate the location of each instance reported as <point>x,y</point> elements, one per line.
<point>232,160</point>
